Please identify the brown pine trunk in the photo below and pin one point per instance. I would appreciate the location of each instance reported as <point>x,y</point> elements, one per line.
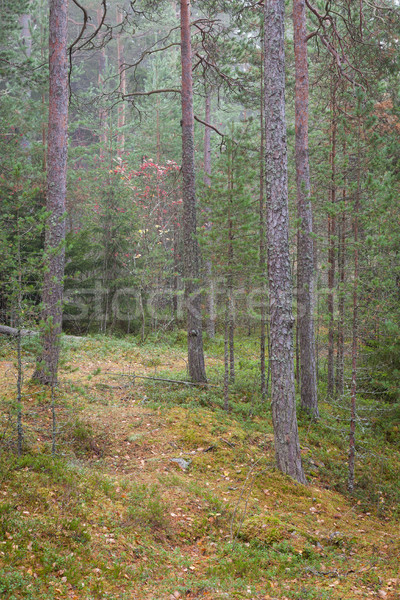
<point>121,88</point>
<point>196,364</point>
<point>46,370</point>
<point>305,251</point>
<point>287,445</point>
<point>331,248</point>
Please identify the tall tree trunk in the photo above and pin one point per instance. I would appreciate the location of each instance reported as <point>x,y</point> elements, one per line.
<point>226,354</point>
<point>57,148</point>
<point>196,364</point>
<point>121,88</point>
<point>207,183</point>
<point>207,141</point>
<point>341,302</point>
<point>231,317</point>
<point>43,94</point>
<point>305,251</point>
<point>331,247</point>
<point>100,83</point>
<point>287,445</point>
<point>263,265</point>
<point>354,349</point>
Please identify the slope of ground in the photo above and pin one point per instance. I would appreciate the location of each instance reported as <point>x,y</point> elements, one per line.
<point>156,493</point>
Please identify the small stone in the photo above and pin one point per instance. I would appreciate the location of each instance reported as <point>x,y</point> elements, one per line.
<point>184,464</point>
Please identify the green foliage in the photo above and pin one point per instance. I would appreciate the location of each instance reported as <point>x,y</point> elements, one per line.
<point>382,360</point>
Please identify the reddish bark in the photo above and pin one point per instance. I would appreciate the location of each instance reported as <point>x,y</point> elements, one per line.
<point>305,251</point>
<point>287,446</point>
<point>191,260</point>
<point>46,371</point>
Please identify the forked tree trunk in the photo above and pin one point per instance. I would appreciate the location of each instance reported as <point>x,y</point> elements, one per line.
<point>305,251</point>
<point>196,365</point>
<point>287,446</point>
<point>46,370</point>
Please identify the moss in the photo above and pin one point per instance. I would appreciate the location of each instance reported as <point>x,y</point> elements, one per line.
<point>265,529</point>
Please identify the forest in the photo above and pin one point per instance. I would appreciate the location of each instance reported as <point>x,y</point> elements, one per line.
<point>199,299</point>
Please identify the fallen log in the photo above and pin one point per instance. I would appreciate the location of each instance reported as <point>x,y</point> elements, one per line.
<point>13,332</point>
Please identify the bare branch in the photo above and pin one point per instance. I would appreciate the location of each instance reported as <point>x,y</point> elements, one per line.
<point>208,125</point>
<point>162,91</point>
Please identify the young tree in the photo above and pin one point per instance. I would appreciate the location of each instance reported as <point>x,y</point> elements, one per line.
<point>305,250</point>
<point>287,446</point>
<point>196,365</point>
<point>46,370</point>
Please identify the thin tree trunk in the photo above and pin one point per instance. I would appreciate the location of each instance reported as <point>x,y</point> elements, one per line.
<point>100,83</point>
<point>226,355</point>
<point>341,303</point>
<point>287,445</point>
<point>20,429</point>
<point>305,251</point>
<point>354,349</point>
<point>196,364</point>
<point>43,94</point>
<point>331,248</point>
<point>121,87</point>
<point>46,370</point>
<point>207,183</point>
<point>263,266</point>
<point>207,141</point>
<point>231,316</point>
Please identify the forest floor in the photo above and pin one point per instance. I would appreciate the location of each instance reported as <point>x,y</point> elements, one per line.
<point>114,515</point>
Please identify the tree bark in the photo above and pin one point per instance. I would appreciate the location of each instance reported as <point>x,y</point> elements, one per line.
<point>207,183</point>
<point>263,265</point>
<point>331,248</point>
<point>287,446</point>
<point>196,364</point>
<point>121,88</point>
<point>231,317</point>
<point>341,302</point>
<point>46,371</point>
<point>100,83</point>
<point>354,349</point>
<point>305,251</point>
